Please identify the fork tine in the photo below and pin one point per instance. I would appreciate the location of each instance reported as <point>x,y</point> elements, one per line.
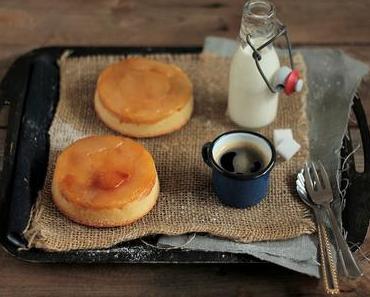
<point>308,179</point>
<point>316,175</point>
<point>324,175</point>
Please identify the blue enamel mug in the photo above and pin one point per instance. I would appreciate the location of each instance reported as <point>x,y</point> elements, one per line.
<point>238,189</point>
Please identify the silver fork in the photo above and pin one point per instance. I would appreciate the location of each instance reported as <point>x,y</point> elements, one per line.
<point>328,267</point>
<point>319,188</point>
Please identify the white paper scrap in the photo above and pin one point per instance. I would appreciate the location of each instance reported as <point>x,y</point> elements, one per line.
<point>288,148</point>
<point>280,135</point>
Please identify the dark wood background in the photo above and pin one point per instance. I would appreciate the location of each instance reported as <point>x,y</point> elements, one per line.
<point>25,25</point>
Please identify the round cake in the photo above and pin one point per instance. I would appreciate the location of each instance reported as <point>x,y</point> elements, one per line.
<point>105,181</point>
<point>140,97</point>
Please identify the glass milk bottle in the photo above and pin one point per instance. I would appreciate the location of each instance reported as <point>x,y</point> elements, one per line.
<point>255,73</point>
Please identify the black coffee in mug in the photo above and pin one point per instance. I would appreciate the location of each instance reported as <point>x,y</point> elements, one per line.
<point>241,163</point>
<point>243,158</point>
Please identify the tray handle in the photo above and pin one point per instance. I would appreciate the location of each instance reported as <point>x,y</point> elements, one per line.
<point>364,131</point>
<point>13,91</point>
<point>356,213</point>
<point>14,82</point>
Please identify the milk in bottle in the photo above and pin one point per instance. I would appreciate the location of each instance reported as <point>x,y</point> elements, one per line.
<point>251,104</point>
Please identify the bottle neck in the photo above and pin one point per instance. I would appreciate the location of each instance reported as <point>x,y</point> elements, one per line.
<point>258,21</point>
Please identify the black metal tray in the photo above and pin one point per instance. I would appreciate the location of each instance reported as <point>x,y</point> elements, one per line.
<point>31,87</point>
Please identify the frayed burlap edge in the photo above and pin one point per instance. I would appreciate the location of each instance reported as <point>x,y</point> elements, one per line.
<point>37,238</point>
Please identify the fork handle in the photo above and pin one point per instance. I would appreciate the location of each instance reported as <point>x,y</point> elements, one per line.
<point>328,270</point>
<point>329,273</point>
<point>352,269</point>
<point>331,265</point>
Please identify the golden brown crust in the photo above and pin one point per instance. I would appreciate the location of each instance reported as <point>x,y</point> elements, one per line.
<point>174,122</point>
<point>132,211</point>
<point>105,181</point>
<point>143,91</point>
<point>140,97</point>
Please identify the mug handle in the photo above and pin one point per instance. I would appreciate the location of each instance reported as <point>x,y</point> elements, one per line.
<point>205,153</point>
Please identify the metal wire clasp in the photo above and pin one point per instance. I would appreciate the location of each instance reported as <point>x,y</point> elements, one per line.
<point>257,55</point>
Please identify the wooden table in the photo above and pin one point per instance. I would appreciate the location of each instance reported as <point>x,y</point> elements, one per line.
<point>30,24</point>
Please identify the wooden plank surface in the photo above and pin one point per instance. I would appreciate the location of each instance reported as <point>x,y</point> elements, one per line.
<point>29,24</point>
<point>162,22</point>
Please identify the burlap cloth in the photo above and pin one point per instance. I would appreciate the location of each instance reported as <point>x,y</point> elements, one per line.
<point>187,202</point>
